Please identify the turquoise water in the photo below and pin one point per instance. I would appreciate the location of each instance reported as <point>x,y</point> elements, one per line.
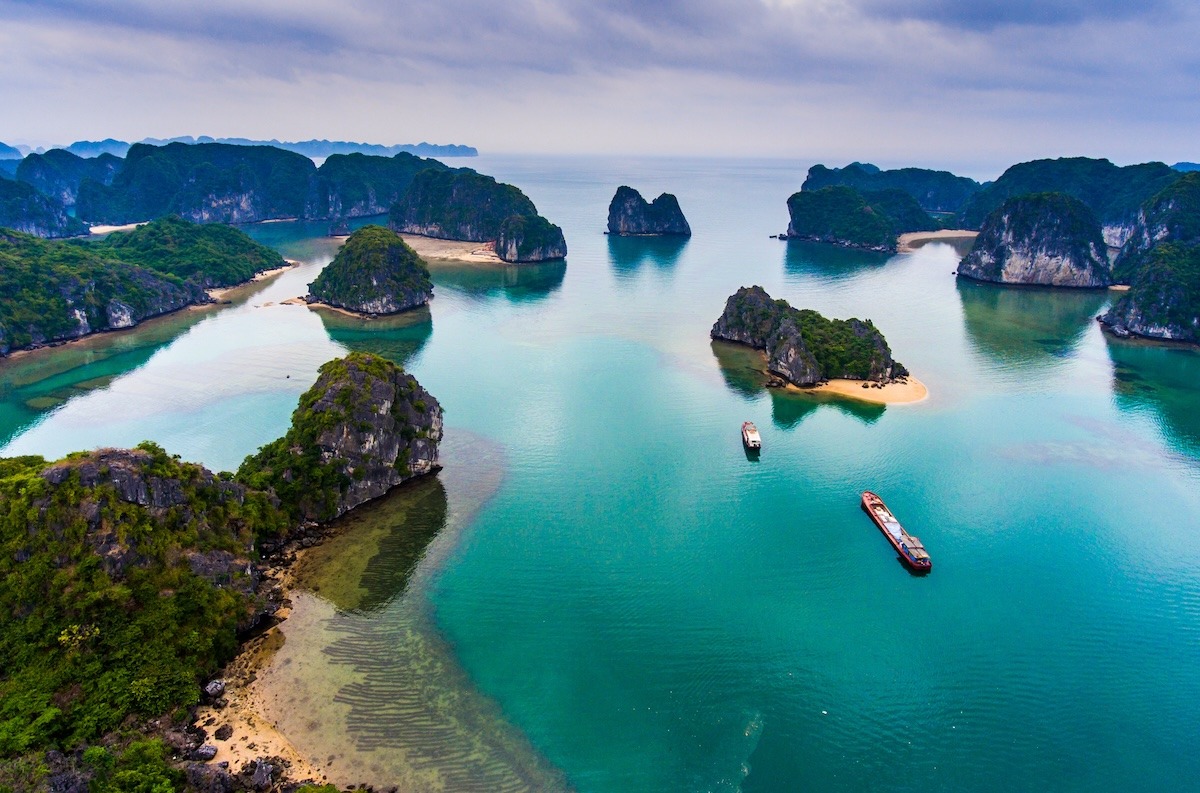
<point>655,611</point>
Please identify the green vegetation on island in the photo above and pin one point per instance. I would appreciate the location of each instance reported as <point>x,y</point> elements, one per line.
<point>359,185</point>
<point>211,255</point>
<point>530,238</point>
<point>125,581</point>
<point>1161,263</point>
<point>458,205</point>
<point>374,272</point>
<point>51,290</point>
<point>341,450</point>
<point>204,183</point>
<point>1114,194</point>
<point>1047,239</point>
<point>845,216</point>
<point>802,346</point>
<point>24,209</point>
<point>129,575</point>
<point>935,191</point>
<point>59,173</point>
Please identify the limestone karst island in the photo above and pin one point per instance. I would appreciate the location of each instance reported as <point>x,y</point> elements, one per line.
<point>599,397</point>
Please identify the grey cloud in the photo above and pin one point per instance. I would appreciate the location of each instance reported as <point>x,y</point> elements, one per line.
<point>1069,61</point>
<point>987,15</point>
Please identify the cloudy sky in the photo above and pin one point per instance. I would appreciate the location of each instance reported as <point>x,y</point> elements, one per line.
<point>972,86</point>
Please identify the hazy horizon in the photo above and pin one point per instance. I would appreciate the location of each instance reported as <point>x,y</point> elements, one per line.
<point>968,88</point>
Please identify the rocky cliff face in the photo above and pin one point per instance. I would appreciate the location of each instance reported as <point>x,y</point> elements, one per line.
<point>458,205</point>
<point>59,173</point>
<point>1163,302</point>
<point>802,346</point>
<point>375,272</point>
<point>628,213</point>
<point>1161,263</point>
<point>361,185</point>
<point>1172,215</point>
<point>24,209</point>
<point>842,215</point>
<point>530,238</point>
<point>130,476</point>
<point>52,291</point>
<point>363,428</point>
<point>1047,239</point>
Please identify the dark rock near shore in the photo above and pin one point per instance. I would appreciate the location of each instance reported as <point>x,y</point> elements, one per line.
<point>530,238</point>
<point>802,346</point>
<point>1045,239</point>
<point>630,214</point>
<point>363,428</point>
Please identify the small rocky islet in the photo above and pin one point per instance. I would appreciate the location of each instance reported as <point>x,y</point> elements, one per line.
<point>631,215</point>
<point>130,574</point>
<point>375,273</point>
<point>803,347</point>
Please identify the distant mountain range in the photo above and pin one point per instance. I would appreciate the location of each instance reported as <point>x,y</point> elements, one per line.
<point>1186,166</point>
<point>309,148</point>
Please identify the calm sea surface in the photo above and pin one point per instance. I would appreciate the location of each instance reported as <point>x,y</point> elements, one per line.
<point>603,592</point>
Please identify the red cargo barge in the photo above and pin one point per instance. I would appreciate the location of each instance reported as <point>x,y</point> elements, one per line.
<point>911,551</point>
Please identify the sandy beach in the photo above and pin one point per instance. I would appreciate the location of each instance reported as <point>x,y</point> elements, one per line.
<point>223,293</point>
<point>907,243</point>
<point>111,229</point>
<point>253,736</point>
<point>895,393</point>
<point>453,250</point>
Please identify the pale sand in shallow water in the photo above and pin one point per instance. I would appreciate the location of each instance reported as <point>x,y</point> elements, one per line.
<point>224,293</point>
<point>907,243</point>
<point>253,734</point>
<point>895,393</point>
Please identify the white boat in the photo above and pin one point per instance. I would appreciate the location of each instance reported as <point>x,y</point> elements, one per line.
<point>750,437</point>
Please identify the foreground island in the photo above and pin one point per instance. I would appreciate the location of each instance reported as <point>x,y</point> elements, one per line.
<point>130,576</point>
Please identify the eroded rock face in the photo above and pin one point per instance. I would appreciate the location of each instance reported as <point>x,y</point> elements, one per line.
<point>363,428</point>
<point>530,238</point>
<point>1044,239</point>
<point>129,475</point>
<point>630,214</point>
<point>843,348</point>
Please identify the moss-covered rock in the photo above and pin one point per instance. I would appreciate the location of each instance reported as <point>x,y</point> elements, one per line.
<point>1164,300</point>
<point>375,272</point>
<point>530,238</point>
<point>934,191</point>
<point>127,574</point>
<point>630,214</point>
<point>52,291</point>
<point>844,216</point>
<point>1046,239</point>
<point>1113,194</point>
<point>1173,215</point>
<point>802,346</point>
<point>458,205</point>
<point>363,428</point>
<point>24,209</point>
<point>209,255</point>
